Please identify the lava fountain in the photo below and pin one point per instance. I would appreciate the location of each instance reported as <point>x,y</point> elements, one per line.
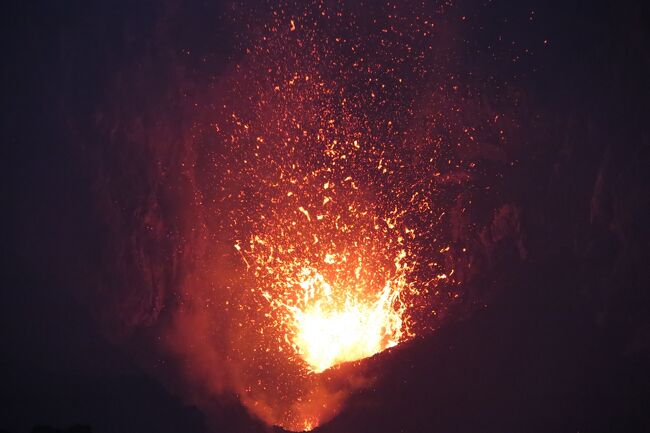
<point>322,174</point>
<point>333,282</point>
<point>329,185</point>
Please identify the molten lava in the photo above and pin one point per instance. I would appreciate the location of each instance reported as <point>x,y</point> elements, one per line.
<point>328,165</point>
<point>330,330</point>
<point>330,323</point>
<point>306,205</point>
<point>333,283</point>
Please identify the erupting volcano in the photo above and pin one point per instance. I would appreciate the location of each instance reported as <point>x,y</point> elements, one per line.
<point>333,282</point>
<point>330,186</point>
<point>247,216</point>
<point>318,209</point>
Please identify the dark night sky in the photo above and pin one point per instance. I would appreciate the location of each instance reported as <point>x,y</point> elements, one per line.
<point>564,344</point>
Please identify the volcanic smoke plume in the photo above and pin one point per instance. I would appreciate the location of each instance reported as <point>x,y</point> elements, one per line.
<point>313,208</point>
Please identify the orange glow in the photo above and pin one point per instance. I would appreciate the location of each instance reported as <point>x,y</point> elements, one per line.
<point>328,333</point>
<point>333,283</point>
<point>328,196</point>
<point>330,320</point>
